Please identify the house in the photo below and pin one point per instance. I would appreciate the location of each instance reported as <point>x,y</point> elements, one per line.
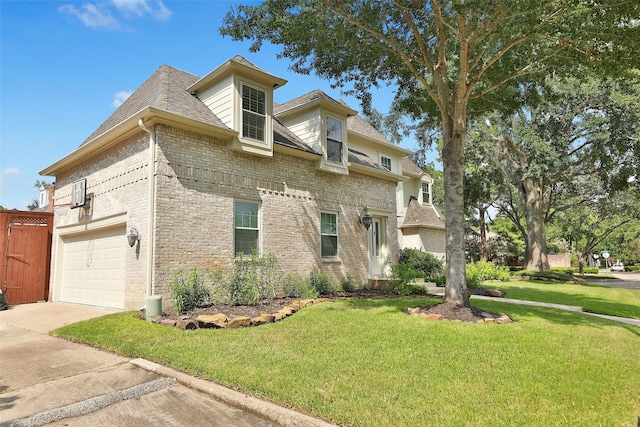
<point>191,170</point>
<point>420,223</point>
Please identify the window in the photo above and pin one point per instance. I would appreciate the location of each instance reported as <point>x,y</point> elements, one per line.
<point>78,193</point>
<point>246,227</point>
<point>253,113</point>
<point>334,140</point>
<point>386,162</point>
<point>425,192</point>
<point>329,234</point>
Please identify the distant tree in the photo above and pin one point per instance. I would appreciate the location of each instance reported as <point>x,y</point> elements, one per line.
<point>580,128</point>
<point>450,61</point>
<point>587,226</point>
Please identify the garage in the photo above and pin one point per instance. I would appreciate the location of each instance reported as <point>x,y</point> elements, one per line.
<point>93,267</point>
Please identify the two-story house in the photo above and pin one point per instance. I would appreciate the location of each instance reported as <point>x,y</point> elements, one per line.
<point>189,171</point>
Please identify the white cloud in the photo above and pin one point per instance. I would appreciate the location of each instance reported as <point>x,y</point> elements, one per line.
<point>120,97</point>
<point>99,14</point>
<point>93,15</point>
<point>10,171</point>
<point>140,8</point>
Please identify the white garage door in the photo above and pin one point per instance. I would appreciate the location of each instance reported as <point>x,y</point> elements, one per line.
<point>93,266</point>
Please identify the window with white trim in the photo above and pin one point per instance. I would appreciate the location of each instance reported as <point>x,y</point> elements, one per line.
<point>425,192</point>
<point>385,162</point>
<point>246,227</point>
<point>329,234</point>
<point>254,115</point>
<point>334,140</point>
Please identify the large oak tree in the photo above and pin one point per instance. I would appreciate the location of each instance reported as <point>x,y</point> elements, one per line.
<point>448,60</point>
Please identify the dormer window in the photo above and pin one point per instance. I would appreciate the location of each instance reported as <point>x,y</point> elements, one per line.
<point>253,113</point>
<point>385,162</point>
<point>334,140</point>
<point>426,193</point>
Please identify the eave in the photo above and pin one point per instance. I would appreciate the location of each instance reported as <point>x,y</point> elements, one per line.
<point>365,170</point>
<point>130,127</point>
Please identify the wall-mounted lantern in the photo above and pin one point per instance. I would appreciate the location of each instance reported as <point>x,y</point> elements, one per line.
<point>133,236</point>
<point>365,218</point>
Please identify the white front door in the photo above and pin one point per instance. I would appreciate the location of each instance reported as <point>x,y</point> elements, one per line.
<point>376,240</point>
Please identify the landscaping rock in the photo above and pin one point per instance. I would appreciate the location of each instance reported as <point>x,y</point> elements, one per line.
<point>279,316</point>
<point>287,311</point>
<point>216,321</point>
<point>239,322</point>
<point>262,319</point>
<point>493,293</point>
<point>167,322</point>
<point>186,323</point>
<point>432,316</point>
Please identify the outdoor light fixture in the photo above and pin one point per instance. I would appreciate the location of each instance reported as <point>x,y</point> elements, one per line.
<point>365,218</point>
<point>133,236</point>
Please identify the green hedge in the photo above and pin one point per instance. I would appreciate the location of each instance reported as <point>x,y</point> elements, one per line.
<point>632,267</point>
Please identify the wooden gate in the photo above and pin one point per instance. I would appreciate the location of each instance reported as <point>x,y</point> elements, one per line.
<point>26,245</point>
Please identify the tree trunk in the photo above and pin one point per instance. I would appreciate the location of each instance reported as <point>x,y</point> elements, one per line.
<point>454,127</point>
<point>535,257</point>
<point>484,252</point>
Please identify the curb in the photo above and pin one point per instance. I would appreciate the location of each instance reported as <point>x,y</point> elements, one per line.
<point>269,411</point>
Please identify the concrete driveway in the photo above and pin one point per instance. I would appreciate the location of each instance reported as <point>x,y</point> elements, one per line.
<point>48,380</point>
<point>626,280</point>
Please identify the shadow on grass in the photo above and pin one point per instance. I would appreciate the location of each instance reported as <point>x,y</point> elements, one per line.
<point>516,311</point>
<point>588,303</point>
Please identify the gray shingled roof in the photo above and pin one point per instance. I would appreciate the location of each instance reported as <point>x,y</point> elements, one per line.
<point>410,167</point>
<point>358,124</point>
<point>283,136</point>
<point>362,159</point>
<point>307,98</point>
<point>422,216</point>
<point>164,90</point>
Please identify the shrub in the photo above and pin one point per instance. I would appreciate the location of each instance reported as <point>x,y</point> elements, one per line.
<point>423,262</point>
<point>319,281</point>
<point>632,267</point>
<point>253,279</point>
<point>482,270</point>
<point>296,287</point>
<point>347,285</point>
<point>403,275</point>
<point>188,291</point>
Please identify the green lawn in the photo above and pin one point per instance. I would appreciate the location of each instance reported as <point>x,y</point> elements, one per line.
<point>592,298</point>
<point>366,363</point>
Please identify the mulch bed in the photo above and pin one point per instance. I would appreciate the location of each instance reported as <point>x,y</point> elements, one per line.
<point>443,311</point>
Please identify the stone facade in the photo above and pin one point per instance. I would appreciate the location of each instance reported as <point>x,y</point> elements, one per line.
<point>199,178</point>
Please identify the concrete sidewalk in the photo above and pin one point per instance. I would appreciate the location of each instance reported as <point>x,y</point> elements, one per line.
<point>48,380</point>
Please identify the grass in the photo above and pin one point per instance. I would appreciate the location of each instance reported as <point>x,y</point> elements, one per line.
<point>366,363</point>
<point>592,298</point>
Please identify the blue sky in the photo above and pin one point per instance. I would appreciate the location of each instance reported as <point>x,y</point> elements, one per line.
<point>65,66</point>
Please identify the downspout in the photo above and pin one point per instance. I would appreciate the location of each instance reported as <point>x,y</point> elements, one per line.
<point>152,204</point>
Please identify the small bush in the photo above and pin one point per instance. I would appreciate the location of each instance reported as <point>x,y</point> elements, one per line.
<point>347,285</point>
<point>403,275</point>
<point>296,287</point>
<point>319,281</point>
<point>188,291</point>
<point>253,279</point>
<point>482,270</point>
<point>423,262</point>
<point>632,267</point>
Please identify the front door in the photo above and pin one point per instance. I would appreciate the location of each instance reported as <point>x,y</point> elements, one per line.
<point>375,237</point>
